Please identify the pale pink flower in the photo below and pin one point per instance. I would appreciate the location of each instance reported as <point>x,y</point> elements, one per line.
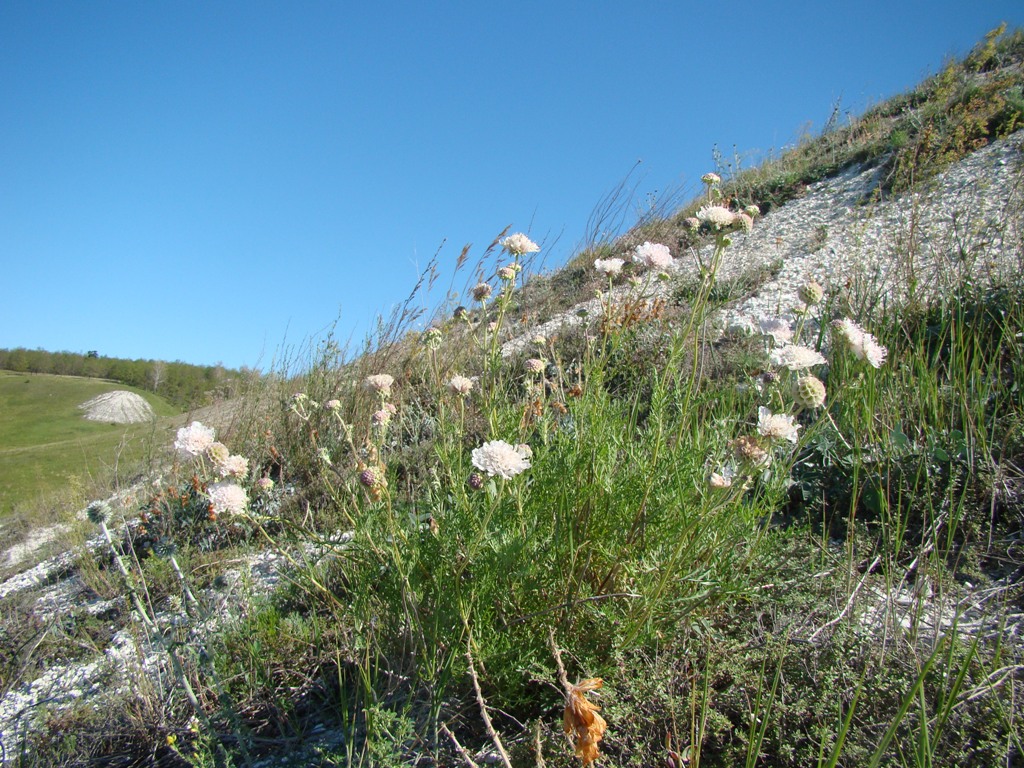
<point>194,440</point>
<point>777,328</point>
<point>233,466</point>
<point>653,255</point>
<point>481,292</point>
<point>227,498</point>
<point>380,382</point>
<point>776,426</point>
<point>716,217</point>
<point>863,345</point>
<point>519,244</point>
<point>460,385</point>
<point>535,365</point>
<point>609,267</point>
<point>794,357</point>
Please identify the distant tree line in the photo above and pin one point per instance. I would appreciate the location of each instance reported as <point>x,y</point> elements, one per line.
<point>182,384</point>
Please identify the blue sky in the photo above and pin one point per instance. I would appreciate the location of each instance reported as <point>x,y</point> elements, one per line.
<point>216,182</point>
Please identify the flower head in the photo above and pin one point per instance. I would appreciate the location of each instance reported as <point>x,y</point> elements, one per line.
<point>519,244</point>
<point>777,328</point>
<point>460,385</point>
<point>809,392</point>
<point>381,418</point>
<point>718,481</point>
<point>749,451</point>
<point>711,179</point>
<point>811,293</point>
<point>776,426</point>
<point>432,338</point>
<point>194,439</point>
<point>716,217</point>
<point>692,223</point>
<point>609,267</point>
<point>499,458</point>
<point>233,466</point>
<point>98,512</point>
<point>508,274</point>
<point>863,345</point>
<point>218,453</point>
<point>581,722</point>
<point>481,292</point>
<point>653,255</point>
<point>535,365</point>
<point>333,405</point>
<point>227,498</point>
<point>265,484</point>
<point>794,357</point>
<point>380,383</point>
<point>752,211</point>
<point>744,222</point>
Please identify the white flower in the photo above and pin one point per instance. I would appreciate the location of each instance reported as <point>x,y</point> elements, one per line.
<point>752,211</point>
<point>233,466</point>
<point>228,498</point>
<point>460,385</point>
<point>380,382</point>
<point>794,357</point>
<point>518,244</point>
<point>716,217</point>
<point>499,458</point>
<point>609,267</point>
<point>653,255</point>
<point>711,179</point>
<point>535,365</point>
<point>481,292</point>
<point>194,440</point>
<point>333,405</point>
<point>776,426</point>
<point>777,328</point>
<point>863,345</point>
<point>265,484</point>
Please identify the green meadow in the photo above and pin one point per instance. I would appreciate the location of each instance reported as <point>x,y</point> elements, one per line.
<point>46,444</point>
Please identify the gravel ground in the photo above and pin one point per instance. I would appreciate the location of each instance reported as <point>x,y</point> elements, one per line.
<point>967,220</point>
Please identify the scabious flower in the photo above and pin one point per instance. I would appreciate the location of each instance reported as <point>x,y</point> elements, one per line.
<point>748,451</point>
<point>508,274</point>
<point>609,267</point>
<point>776,426</point>
<point>432,338</point>
<point>194,440</point>
<point>499,458</point>
<point>811,293</point>
<point>863,345</point>
<point>380,383</point>
<point>481,292</point>
<point>794,357</point>
<point>265,484</point>
<point>652,255</point>
<point>716,217</point>
<point>519,244</point>
<point>711,178</point>
<point>460,385</point>
<point>744,222</point>
<point>692,223</point>
<point>777,328</point>
<point>233,466</point>
<point>535,365</point>
<point>217,453</point>
<point>333,405</point>
<point>752,211</point>
<point>809,392</point>
<point>381,418</point>
<point>227,498</point>
<point>476,481</point>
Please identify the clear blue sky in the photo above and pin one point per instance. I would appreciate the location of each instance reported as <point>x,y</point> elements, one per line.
<point>207,181</point>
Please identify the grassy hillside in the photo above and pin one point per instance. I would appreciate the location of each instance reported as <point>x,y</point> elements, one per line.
<point>47,445</point>
<point>789,545</point>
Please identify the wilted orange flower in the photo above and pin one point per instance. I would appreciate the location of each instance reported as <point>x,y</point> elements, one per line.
<point>584,726</point>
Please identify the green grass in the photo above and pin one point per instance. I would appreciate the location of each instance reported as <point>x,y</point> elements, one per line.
<point>46,444</point>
